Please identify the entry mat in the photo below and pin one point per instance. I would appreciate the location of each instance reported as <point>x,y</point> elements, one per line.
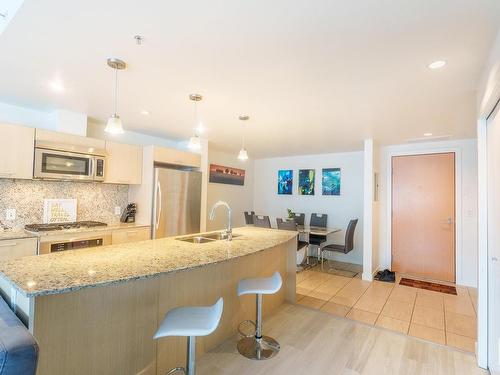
<point>448,289</point>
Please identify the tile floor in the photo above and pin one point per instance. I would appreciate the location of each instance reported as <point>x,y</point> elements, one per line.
<point>432,316</point>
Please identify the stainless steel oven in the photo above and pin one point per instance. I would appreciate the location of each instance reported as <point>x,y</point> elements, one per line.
<point>65,162</point>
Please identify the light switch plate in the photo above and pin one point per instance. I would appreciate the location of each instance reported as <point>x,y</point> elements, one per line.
<point>118,210</point>
<point>10,214</point>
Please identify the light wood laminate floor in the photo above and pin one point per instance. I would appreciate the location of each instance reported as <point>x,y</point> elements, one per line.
<point>316,342</point>
<point>437,317</point>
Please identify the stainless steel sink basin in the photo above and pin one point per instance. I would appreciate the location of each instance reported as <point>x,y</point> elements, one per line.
<point>209,237</point>
<point>219,235</point>
<point>196,239</point>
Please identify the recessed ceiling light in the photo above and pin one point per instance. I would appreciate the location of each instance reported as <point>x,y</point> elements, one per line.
<point>57,86</point>
<point>437,64</point>
<point>427,134</point>
<point>145,113</point>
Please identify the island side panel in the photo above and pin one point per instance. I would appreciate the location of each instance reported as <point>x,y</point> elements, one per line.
<point>101,330</point>
<point>203,286</point>
<point>109,329</point>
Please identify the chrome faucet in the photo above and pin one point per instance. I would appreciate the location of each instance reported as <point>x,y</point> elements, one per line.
<point>229,230</point>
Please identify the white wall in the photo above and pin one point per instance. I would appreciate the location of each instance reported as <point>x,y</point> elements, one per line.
<point>488,91</point>
<point>340,209</point>
<point>376,210</point>
<point>488,95</point>
<point>240,198</point>
<point>466,215</point>
<point>371,211</point>
<point>18,115</point>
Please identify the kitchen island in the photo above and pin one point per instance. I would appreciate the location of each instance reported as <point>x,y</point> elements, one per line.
<point>94,311</point>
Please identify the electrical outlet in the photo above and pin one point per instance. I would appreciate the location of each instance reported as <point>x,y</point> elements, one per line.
<point>118,210</point>
<point>10,214</point>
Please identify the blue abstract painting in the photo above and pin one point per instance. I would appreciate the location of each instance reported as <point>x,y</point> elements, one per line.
<point>331,181</point>
<point>306,181</point>
<point>285,181</point>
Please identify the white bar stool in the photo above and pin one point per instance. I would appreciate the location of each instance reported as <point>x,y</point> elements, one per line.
<point>259,347</point>
<point>190,322</point>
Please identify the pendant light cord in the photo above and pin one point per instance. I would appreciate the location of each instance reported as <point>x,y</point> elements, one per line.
<point>243,136</point>
<point>116,91</point>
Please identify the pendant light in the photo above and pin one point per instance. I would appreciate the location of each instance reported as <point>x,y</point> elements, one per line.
<point>243,155</point>
<point>194,141</point>
<point>114,124</point>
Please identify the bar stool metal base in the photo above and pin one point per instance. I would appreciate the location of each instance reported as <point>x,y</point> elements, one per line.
<point>258,349</point>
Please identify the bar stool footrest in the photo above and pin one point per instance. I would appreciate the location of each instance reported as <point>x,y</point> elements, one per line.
<point>243,334</point>
<point>176,369</point>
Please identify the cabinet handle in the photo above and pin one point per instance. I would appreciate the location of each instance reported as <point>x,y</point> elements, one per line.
<point>5,244</point>
<point>129,233</point>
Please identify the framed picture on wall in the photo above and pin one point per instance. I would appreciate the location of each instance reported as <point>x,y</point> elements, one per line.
<point>306,181</point>
<point>285,181</point>
<point>331,181</point>
<point>226,175</point>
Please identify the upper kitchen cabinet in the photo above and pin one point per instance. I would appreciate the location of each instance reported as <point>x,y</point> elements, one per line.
<point>176,157</point>
<point>124,163</point>
<point>16,151</point>
<point>69,139</point>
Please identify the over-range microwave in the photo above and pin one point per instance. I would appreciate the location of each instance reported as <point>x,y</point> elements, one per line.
<point>68,162</point>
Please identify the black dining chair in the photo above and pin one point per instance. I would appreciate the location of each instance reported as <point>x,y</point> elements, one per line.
<point>249,217</point>
<point>299,218</point>
<point>291,226</point>
<point>348,243</point>
<point>261,221</point>
<point>318,221</point>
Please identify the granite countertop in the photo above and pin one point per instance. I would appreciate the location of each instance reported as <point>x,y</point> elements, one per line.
<point>14,234</point>
<point>109,227</point>
<point>76,269</point>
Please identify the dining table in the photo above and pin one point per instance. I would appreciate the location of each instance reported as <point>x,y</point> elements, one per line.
<point>317,231</point>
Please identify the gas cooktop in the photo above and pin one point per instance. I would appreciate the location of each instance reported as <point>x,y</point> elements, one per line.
<point>61,226</point>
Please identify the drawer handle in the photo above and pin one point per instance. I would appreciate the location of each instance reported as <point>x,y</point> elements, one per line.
<point>132,232</point>
<point>5,244</point>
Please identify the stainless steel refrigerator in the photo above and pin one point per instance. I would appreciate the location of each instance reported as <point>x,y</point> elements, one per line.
<point>176,202</point>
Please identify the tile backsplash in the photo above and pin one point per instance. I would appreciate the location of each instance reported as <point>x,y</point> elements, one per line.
<point>95,201</point>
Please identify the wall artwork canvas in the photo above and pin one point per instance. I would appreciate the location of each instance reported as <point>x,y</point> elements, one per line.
<point>331,181</point>
<point>306,181</point>
<point>226,175</point>
<point>285,181</point>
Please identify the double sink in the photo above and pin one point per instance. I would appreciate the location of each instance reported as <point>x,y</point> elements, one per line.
<point>208,237</point>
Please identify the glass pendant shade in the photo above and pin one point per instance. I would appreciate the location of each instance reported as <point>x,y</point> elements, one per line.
<point>114,125</point>
<point>243,155</point>
<point>194,143</point>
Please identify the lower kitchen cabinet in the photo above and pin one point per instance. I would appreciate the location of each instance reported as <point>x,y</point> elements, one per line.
<point>17,248</point>
<point>130,235</point>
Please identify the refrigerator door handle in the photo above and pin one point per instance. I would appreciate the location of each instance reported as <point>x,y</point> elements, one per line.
<point>158,200</point>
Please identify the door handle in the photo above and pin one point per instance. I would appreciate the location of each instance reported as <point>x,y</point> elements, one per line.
<point>494,259</point>
<point>158,200</point>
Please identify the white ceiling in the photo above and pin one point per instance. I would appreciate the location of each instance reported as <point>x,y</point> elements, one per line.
<point>315,76</point>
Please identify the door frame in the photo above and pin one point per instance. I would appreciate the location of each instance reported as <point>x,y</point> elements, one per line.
<point>458,200</point>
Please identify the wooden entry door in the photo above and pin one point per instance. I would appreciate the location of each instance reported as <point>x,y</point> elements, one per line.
<point>423,215</point>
